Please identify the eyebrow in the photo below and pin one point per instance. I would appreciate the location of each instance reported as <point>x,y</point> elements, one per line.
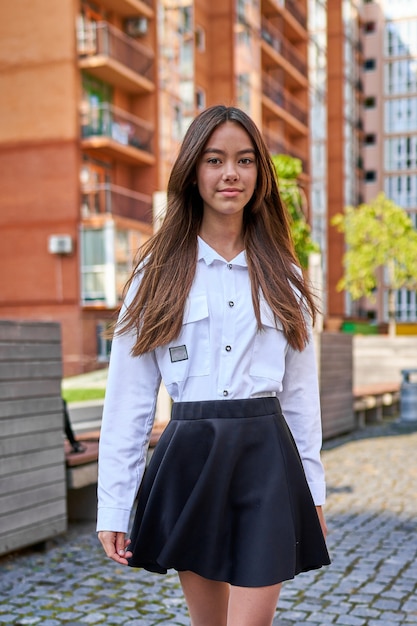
<point>217,151</point>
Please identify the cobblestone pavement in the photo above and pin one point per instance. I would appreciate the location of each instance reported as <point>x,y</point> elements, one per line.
<point>372,518</point>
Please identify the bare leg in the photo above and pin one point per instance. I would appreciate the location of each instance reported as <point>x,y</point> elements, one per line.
<point>252,606</point>
<point>207,600</point>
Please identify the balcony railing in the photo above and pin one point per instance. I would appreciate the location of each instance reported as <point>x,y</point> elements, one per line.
<point>273,90</point>
<point>117,201</point>
<point>297,11</point>
<point>273,37</point>
<point>96,39</point>
<point>105,120</point>
<point>277,146</point>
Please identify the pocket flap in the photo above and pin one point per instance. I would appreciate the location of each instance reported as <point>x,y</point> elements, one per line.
<point>196,308</point>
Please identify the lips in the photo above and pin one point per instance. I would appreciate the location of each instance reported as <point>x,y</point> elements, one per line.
<point>230,191</point>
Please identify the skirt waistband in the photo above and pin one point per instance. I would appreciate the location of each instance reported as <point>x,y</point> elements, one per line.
<point>226,409</point>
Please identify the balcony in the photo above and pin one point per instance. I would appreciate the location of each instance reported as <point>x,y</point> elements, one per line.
<point>284,104</point>
<point>130,8</point>
<point>110,55</point>
<point>292,11</point>
<point>108,131</point>
<point>109,199</point>
<point>276,145</point>
<point>273,38</point>
<point>297,11</point>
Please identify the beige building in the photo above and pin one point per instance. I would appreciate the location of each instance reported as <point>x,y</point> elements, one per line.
<point>390,118</point>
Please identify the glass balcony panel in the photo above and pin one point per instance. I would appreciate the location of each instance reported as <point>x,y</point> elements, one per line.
<point>113,56</point>
<point>273,90</point>
<point>105,120</point>
<point>273,37</point>
<point>111,199</point>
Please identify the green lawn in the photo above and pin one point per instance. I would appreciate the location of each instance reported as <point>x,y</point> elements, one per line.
<point>80,395</point>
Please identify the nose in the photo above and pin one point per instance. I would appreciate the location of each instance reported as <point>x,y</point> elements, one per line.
<point>230,172</point>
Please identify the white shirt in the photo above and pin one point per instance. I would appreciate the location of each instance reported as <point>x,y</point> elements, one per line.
<point>219,354</point>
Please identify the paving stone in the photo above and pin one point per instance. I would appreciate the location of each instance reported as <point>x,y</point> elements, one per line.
<point>372,541</point>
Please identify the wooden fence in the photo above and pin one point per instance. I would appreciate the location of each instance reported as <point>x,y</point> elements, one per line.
<point>336,384</point>
<point>32,463</point>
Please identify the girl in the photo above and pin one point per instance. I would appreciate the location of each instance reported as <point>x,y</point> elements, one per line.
<point>218,308</point>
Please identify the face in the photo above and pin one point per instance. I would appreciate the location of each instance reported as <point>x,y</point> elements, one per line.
<point>227,171</point>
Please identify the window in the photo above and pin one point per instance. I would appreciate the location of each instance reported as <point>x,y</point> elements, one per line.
<point>370,102</point>
<point>401,153</point>
<point>200,99</point>
<point>369,27</point>
<point>370,176</point>
<point>370,139</point>
<point>370,64</point>
<point>200,39</point>
<point>401,115</point>
<point>401,76</point>
<point>103,344</point>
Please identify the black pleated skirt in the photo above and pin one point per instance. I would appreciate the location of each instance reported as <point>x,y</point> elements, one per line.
<point>225,496</point>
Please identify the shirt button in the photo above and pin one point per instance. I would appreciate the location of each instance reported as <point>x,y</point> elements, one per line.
<point>229,265</point>
<point>231,303</point>
<point>225,393</point>
<point>228,348</point>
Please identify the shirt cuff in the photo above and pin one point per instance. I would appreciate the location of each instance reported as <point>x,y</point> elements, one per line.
<point>115,520</point>
<point>318,491</point>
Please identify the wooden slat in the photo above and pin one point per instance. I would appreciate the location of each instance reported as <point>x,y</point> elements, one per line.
<point>18,482</point>
<point>28,370</point>
<point>27,462</point>
<point>16,407</point>
<point>28,518</point>
<point>27,332</point>
<point>37,441</point>
<point>33,533</point>
<point>30,351</point>
<point>15,426</point>
<point>29,499</point>
<point>28,389</point>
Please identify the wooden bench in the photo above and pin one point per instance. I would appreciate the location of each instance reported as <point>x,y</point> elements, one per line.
<point>82,473</point>
<point>82,466</point>
<point>373,402</point>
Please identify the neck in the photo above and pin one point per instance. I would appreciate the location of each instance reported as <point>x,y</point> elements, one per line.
<point>225,240</point>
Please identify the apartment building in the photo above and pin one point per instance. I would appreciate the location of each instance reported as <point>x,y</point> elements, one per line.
<point>95,97</point>
<point>78,161</point>
<point>250,53</point>
<point>390,119</point>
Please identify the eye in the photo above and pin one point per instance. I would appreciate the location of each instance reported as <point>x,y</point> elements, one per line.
<point>247,161</point>
<point>213,160</point>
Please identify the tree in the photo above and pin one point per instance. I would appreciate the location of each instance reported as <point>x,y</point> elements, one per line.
<point>288,169</point>
<point>378,235</point>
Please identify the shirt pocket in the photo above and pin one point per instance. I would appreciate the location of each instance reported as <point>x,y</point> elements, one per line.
<point>269,347</point>
<point>189,354</point>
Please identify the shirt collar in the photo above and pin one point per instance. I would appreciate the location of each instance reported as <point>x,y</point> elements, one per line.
<point>207,254</point>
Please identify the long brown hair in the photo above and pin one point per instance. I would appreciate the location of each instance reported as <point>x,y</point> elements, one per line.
<point>167,262</point>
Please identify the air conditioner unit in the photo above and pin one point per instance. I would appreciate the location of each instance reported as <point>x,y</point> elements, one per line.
<point>60,244</point>
<point>137,27</point>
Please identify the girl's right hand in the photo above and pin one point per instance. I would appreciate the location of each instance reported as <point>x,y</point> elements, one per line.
<point>115,545</point>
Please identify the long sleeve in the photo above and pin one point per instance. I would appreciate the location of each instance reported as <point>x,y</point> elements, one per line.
<point>128,415</point>
<point>300,402</point>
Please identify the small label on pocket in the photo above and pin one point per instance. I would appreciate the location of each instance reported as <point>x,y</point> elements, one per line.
<point>178,353</point>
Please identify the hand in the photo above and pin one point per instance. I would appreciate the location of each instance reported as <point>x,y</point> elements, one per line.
<point>115,545</point>
<point>322,521</point>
